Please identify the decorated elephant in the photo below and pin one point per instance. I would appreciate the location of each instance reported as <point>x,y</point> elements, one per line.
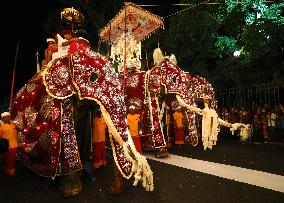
<point>167,85</point>
<point>150,92</point>
<point>43,111</point>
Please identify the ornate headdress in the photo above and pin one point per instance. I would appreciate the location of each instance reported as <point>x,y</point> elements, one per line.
<point>5,114</point>
<point>173,59</point>
<point>158,56</point>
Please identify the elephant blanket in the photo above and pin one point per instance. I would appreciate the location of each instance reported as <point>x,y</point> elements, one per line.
<point>49,146</point>
<point>43,111</point>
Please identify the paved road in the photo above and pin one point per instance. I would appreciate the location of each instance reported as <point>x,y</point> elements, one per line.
<point>172,183</point>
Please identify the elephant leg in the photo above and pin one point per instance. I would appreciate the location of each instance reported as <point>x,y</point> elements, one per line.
<point>70,185</point>
<point>158,135</point>
<point>161,153</point>
<point>117,186</point>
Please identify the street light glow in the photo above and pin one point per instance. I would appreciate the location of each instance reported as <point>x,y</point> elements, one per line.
<point>237,53</point>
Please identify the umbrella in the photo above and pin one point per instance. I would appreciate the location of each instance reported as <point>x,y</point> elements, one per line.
<point>131,20</point>
<point>72,16</point>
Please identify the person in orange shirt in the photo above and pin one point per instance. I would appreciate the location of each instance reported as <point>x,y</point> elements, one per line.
<point>178,123</point>
<point>98,139</point>
<point>8,130</point>
<point>133,121</point>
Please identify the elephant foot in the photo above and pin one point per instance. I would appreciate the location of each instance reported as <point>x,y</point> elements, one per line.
<point>117,186</point>
<point>70,185</point>
<point>161,153</point>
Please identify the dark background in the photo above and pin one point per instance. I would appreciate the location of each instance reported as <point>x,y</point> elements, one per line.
<point>21,23</point>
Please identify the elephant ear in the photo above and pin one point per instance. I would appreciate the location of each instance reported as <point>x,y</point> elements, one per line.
<point>57,79</point>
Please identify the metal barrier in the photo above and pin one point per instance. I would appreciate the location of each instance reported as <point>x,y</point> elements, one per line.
<point>247,97</point>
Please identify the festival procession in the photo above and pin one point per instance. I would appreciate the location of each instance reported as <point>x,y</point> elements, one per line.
<point>126,119</point>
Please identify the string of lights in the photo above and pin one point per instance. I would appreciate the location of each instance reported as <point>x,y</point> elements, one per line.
<point>236,2</point>
<point>190,6</point>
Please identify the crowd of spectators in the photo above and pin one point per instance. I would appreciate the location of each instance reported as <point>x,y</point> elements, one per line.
<point>266,123</point>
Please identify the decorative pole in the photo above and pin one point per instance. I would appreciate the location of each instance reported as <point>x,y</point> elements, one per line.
<point>13,78</point>
<point>37,63</point>
<point>124,65</point>
<point>109,39</point>
<point>147,63</point>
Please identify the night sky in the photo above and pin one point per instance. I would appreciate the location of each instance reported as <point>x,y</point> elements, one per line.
<point>24,25</point>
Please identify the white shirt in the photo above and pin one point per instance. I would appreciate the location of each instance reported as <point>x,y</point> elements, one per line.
<point>62,50</point>
<point>271,119</point>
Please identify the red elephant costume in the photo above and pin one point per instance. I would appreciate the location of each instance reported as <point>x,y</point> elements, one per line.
<point>43,110</point>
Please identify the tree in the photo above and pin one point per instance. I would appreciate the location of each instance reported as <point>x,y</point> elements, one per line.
<point>189,36</point>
